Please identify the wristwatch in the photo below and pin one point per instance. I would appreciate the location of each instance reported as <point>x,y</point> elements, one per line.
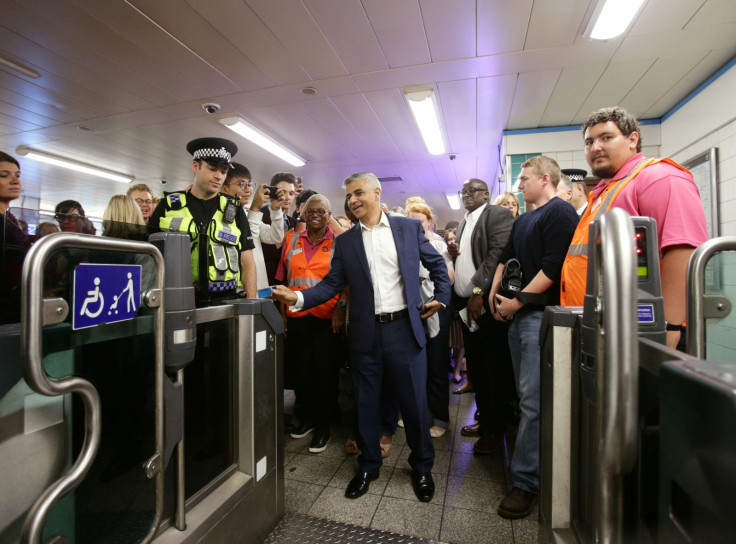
<point>478,291</point>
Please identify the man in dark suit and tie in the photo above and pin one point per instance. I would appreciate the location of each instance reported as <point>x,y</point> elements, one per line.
<point>379,258</point>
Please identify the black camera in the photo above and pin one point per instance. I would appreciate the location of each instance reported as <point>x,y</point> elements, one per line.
<point>272,190</point>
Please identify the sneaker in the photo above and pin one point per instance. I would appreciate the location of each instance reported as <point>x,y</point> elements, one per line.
<point>436,432</point>
<point>319,442</point>
<point>517,504</point>
<point>300,431</point>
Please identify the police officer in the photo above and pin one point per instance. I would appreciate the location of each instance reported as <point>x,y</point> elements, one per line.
<point>222,257</point>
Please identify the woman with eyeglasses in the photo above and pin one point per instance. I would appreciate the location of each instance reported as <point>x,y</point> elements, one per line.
<point>311,342</point>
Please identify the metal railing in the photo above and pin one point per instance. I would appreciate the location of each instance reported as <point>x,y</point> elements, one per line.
<point>37,312</point>
<point>699,305</point>
<point>618,369</point>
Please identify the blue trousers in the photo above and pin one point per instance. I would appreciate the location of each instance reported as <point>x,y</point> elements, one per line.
<point>525,356</point>
<point>396,356</point>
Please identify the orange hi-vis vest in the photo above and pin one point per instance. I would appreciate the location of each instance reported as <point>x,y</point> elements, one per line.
<point>301,274</point>
<point>575,267</point>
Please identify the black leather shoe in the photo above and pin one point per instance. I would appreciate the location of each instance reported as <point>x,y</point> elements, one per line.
<point>360,483</point>
<point>423,486</point>
<point>471,430</point>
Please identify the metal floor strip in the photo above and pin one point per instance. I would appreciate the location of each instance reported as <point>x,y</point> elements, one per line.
<point>303,529</point>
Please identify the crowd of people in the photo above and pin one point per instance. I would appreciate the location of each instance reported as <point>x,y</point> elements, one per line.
<point>406,303</point>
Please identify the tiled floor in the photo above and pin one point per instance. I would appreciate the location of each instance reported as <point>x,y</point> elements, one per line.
<point>468,488</point>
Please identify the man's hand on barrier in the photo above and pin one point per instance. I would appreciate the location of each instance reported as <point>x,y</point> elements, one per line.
<point>284,294</point>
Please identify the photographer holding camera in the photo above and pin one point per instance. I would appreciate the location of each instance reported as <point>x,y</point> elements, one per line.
<point>285,184</point>
<point>534,255</point>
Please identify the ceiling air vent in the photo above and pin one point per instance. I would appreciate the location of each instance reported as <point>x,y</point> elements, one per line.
<point>390,178</point>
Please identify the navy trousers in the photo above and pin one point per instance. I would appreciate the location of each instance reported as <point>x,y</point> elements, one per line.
<point>396,355</point>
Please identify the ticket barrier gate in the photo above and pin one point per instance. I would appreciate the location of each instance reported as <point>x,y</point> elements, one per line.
<point>164,427</point>
<point>600,363</point>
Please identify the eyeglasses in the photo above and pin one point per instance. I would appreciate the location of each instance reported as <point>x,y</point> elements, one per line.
<point>319,212</point>
<point>140,201</point>
<point>470,191</point>
<point>68,216</point>
<point>243,184</point>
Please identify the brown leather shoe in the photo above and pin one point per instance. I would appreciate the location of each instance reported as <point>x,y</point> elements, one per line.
<point>517,504</point>
<point>486,445</point>
<point>471,430</point>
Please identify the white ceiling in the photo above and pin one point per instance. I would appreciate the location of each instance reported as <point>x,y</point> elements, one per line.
<point>137,72</point>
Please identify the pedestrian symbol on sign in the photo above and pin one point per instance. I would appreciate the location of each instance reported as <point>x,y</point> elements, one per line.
<point>105,294</point>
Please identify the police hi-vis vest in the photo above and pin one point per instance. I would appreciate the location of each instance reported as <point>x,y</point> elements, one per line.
<point>575,267</point>
<point>222,240</point>
<point>303,274</point>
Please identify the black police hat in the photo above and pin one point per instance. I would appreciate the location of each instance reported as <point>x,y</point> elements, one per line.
<point>575,174</point>
<point>217,151</point>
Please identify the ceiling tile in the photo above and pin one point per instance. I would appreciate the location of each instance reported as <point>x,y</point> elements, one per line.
<point>554,23</point>
<point>393,111</point>
<point>655,83</point>
<point>502,25</point>
<point>357,109</point>
<point>296,30</point>
<point>709,65</point>
<point>614,84</point>
<point>400,31</point>
<point>457,100</point>
<point>572,88</point>
<point>345,24</point>
<point>181,22</point>
<point>446,25</point>
<point>530,100</point>
<point>713,12</point>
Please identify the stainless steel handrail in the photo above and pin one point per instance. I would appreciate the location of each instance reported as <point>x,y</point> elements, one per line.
<point>617,372</point>
<point>39,381</point>
<point>696,291</point>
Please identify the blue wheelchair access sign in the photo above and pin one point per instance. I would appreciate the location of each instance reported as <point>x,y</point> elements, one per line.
<point>105,293</point>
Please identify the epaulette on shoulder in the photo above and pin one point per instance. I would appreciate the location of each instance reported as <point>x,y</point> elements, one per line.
<point>176,201</point>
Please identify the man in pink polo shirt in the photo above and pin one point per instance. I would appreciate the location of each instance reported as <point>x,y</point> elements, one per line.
<point>660,189</point>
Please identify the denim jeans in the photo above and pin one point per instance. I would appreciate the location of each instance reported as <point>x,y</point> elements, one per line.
<point>525,355</point>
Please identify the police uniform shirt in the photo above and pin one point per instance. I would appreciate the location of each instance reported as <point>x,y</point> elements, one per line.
<point>202,212</point>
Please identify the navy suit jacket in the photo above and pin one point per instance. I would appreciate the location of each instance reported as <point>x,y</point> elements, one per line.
<point>350,266</point>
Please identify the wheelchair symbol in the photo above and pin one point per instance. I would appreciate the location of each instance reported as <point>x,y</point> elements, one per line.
<point>93,297</point>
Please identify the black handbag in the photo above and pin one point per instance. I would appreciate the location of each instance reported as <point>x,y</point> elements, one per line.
<point>511,282</point>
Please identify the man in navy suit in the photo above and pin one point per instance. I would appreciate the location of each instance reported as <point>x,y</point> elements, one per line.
<point>379,258</point>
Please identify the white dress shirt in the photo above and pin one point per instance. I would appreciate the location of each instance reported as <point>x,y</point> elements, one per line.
<point>383,263</point>
<point>264,234</point>
<point>464,267</point>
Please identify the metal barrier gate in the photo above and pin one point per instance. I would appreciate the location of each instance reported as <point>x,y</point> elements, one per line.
<point>93,445</point>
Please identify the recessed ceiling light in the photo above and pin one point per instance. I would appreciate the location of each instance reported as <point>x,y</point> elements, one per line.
<point>309,91</point>
<point>85,129</point>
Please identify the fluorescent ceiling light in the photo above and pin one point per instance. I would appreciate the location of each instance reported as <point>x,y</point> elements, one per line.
<point>611,18</point>
<point>48,158</point>
<point>249,132</point>
<point>20,68</point>
<point>453,200</point>
<point>424,109</point>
